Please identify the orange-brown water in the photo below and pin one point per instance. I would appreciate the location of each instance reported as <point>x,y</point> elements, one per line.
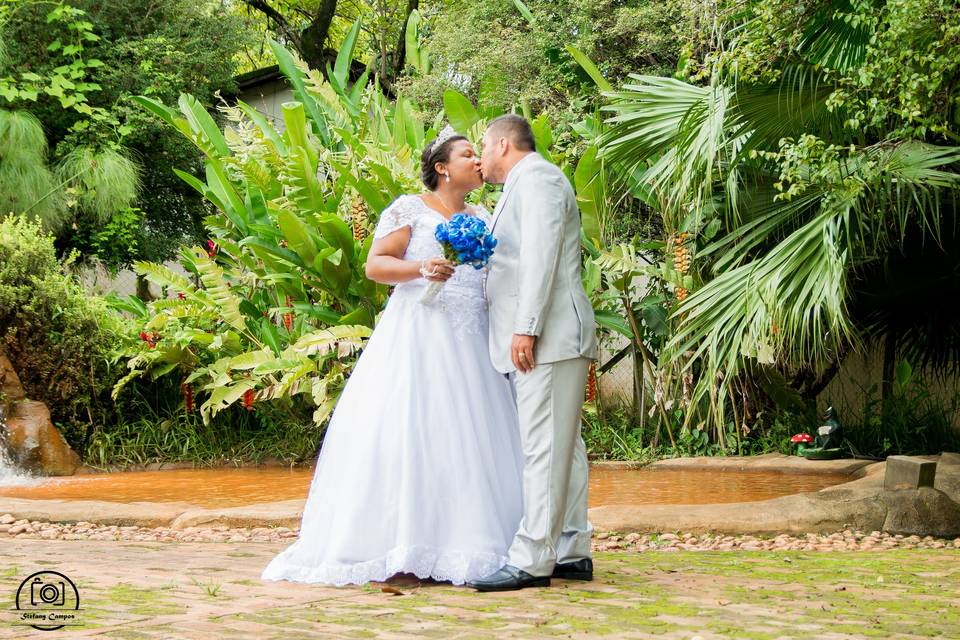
<point>234,487</point>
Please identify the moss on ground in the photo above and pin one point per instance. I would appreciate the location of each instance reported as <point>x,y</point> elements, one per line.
<point>750,595</point>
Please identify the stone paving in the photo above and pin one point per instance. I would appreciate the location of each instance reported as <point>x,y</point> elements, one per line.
<point>148,590</point>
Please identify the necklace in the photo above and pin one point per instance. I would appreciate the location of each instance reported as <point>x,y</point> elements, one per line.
<point>443,204</point>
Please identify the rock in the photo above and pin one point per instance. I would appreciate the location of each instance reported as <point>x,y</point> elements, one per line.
<point>856,508</point>
<point>948,475</point>
<point>10,387</point>
<point>925,511</point>
<point>39,446</point>
<point>286,513</point>
<point>7,519</point>
<point>909,472</point>
<point>948,459</point>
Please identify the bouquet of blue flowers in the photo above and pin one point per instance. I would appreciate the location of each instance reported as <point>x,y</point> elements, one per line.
<point>465,240</point>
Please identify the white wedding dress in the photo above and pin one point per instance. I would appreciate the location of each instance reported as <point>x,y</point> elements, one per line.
<point>420,470</point>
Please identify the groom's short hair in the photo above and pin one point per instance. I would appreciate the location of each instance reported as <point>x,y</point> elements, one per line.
<point>514,127</point>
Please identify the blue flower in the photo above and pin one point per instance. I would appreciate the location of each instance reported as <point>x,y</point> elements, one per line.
<point>466,240</point>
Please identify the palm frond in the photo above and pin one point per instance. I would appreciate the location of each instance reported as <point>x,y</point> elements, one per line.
<point>788,306</point>
<point>679,131</point>
<point>832,40</point>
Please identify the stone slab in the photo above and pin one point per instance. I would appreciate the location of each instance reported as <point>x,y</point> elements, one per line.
<point>140,514</point>
<point>909,472</point>
<point>286,513</point>
<point>859,508</point>
<point>768,462</point>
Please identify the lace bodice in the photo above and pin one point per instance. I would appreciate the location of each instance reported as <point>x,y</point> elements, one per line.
<point>462,297</point>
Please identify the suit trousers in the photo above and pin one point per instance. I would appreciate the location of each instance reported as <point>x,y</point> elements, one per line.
<point>554,527</point>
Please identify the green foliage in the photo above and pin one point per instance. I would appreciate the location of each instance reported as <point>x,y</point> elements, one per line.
<point>117,243</point>
<point>60,339</point>
<point>25,179</point>
<point>149,425</point>
<point>615,434</point>
<point>99,183</point>
<point>93,56</point>
<point>914,420</point>
<point>280,300</point>
<point>889,67</point>
<point>503,53</point>
<point>775,196</point>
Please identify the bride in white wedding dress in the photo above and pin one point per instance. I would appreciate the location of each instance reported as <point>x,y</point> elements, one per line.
<point>420,470</point>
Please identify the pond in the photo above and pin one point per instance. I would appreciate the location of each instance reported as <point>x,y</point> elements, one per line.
<point>226,487</point>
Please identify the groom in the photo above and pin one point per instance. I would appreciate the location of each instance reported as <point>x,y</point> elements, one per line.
<point>542,334</point>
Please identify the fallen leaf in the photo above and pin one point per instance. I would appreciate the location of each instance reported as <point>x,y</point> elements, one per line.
<point>391,590</point>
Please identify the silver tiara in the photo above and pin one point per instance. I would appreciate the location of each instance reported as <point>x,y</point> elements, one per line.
<point>445,134</point>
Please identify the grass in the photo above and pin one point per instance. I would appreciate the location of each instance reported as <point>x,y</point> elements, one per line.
<point>163,431</point>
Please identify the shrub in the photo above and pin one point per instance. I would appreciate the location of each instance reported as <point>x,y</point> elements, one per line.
<point>59,338</point>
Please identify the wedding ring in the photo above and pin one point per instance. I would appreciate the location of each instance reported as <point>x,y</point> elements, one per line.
<point>523,356</point>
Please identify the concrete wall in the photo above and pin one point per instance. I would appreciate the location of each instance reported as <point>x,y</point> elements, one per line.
<point>848,392</point>
<point>850,389</point>
<point>267,99</point>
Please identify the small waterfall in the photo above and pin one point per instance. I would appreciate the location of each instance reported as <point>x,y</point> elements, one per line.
<point>10,476</point>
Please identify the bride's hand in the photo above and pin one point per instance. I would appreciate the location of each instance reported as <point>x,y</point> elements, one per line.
<point>437,269</point>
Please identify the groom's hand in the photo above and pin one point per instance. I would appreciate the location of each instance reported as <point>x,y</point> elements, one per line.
<point>521,351</point>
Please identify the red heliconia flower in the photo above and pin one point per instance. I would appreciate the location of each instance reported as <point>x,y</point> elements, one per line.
<point>144,336</point>
<point>187,396</point>
<point>182,296</point>
<point>592,383</point>
<point>288,320</point>
<point>248,399</point>
<point>212,248</point>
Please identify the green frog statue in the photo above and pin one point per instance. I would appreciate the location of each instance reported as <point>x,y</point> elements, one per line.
<point>830,433</point>
<point>829,442</point>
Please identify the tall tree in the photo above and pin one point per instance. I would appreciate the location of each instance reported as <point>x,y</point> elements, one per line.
<point>312,29</point>
<point>303,25</point>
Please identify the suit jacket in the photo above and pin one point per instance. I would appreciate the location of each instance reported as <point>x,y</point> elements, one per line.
<point>534,286</point>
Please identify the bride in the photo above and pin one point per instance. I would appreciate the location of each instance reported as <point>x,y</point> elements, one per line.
<point>420,470</point>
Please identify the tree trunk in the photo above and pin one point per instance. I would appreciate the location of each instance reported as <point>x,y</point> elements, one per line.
<point>889,366</point>
<point>143,289</point>
<point>314,38</point>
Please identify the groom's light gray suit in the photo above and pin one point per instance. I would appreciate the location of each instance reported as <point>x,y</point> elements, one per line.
<point>534,288</point>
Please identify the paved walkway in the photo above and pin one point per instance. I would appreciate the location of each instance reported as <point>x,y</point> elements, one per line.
<point>212,590</point>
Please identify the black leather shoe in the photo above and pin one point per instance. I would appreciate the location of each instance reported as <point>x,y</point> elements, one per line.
<point>576,570</point>
<point>509,578</point>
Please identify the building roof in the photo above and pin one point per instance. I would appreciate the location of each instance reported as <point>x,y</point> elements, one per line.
<point>257,77</point>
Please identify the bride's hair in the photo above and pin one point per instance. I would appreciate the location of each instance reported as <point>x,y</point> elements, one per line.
<point>431,156</point>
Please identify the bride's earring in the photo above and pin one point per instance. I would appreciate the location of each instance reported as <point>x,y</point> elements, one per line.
<point>448,177</point>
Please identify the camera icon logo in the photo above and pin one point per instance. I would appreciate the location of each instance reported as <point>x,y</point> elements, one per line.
<point>47,600</point>
<point>47,593</point>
